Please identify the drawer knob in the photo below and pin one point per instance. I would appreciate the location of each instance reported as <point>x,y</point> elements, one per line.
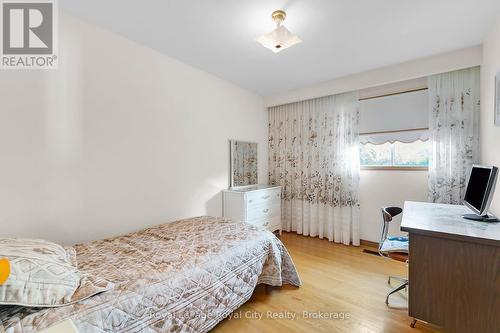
<point>266,210</point>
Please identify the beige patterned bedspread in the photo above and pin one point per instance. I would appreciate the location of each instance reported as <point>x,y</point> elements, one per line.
<point>184,276</point>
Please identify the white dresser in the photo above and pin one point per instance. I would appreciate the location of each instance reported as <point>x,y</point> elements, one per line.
<point>259,205</point>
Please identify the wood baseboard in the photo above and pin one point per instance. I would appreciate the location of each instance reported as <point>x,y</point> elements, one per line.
<point>369,243</point>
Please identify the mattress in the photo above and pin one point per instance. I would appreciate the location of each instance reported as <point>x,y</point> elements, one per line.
<point>184,276</point>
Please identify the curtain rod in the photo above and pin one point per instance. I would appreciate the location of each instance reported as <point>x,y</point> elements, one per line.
<point>397,131</point>
<point>392,94</point>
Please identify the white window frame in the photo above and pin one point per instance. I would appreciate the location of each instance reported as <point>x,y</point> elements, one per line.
<point>393,167</point>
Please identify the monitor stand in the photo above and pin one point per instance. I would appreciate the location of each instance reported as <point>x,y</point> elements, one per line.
<point>485,218</point>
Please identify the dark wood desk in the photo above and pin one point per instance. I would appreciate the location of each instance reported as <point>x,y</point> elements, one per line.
<point>454,268</point>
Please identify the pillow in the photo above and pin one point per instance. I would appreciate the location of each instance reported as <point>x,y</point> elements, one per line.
<point>44,274</point>
<point>395,244</point>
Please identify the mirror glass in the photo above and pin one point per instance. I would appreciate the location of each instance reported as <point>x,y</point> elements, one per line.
<point>243,157</point>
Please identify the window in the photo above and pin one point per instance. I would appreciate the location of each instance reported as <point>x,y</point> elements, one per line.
<point>393,128</point>
<point>398,154</point>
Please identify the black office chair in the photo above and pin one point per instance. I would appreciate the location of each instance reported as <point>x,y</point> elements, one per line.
<point>395,248</point>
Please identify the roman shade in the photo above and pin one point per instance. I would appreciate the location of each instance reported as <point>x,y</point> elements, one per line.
<point>405,136</point>
<point>402,117</point>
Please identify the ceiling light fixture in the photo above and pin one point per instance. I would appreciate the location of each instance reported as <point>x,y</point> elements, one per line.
<point>280,38</point>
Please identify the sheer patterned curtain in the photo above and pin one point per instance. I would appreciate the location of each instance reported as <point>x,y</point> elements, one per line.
<point>314,156</point>
<point>454,133</point>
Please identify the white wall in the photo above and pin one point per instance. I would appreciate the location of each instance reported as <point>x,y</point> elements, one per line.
<point>119,138</point>
<point>386,75</point>
<point>378,188</point>
<point>490,135</point>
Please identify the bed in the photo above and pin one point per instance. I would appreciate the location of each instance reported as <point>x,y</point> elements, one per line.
<point>184,276</point>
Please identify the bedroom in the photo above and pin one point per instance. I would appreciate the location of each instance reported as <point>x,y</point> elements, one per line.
<point>130,126</point>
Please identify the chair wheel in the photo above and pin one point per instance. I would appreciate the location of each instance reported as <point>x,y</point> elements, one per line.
<point>413,322</point>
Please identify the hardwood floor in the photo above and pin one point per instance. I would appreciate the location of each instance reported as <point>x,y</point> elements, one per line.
<point>337,281</point>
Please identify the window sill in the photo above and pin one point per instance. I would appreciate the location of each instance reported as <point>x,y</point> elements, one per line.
<point>395,168</point>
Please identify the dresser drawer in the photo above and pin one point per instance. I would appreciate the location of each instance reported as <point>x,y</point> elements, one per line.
<point>274,224</point>
<point>259,206</point>
<point>258,198</point>
<point>264,211</point>
<point>271,224</point>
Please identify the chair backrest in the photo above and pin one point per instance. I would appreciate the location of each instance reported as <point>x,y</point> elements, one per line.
<point>388,213</point>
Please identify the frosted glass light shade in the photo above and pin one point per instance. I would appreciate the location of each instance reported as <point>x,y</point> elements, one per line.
<point>278,39</point>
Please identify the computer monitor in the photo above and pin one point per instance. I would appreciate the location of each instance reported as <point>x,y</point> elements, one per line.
<point>480,189</point>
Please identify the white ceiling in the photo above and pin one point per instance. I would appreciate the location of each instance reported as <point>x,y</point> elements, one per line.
<point>340,37</point>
